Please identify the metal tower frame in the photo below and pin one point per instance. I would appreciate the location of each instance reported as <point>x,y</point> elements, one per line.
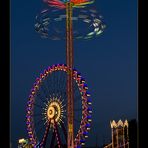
<point>69,62</point>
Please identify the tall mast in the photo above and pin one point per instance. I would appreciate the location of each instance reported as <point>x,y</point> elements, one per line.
<point>69,61</point>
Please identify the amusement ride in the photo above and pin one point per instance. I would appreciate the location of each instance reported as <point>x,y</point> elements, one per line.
<point>59,111</point>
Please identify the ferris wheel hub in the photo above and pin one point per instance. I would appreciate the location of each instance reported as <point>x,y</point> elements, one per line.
<point>54,111</point>
<point>51,112</point>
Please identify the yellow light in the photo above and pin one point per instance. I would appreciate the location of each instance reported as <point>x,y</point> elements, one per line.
<point>54,111</point>
<point>70,127</point>
<point>120,123</point>
<point>33,92</point>
<point>30,132</point>
<point>113,124</point>
<point>89,120</point>
<point>22,140</point>
<point>126,123</point>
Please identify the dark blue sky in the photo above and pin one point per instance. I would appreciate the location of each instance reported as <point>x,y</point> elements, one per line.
<point>108,63</point>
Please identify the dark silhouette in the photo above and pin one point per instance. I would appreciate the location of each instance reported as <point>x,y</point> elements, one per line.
<point>133,133</point>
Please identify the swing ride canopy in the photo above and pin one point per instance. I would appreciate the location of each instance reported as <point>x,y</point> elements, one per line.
<point>61,4</point>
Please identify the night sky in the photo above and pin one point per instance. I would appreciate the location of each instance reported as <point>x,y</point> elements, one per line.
<point>108,63</point>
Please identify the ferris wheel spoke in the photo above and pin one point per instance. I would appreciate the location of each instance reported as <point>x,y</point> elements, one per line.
<point>76,99</point>
<point>64,130</point>
<point>49,90</point>
<point>55,84</point>
<point>78,109</point>
<point>60,81</point>
<point>63,81</point>
<point>44,92</point>
<point>77,120</point>
<point>48,83</point>
<point>37,115</point>
<point>62,84</point>
<point>38,123</point>
<point>40,129</point>
<point>44,139</point>
<point>52,140</point>
<point>64,96</point>
<point>40,97</point>
<point>75,87</point>
<point>77,92</point>
<point>57,134</point>
<point>52,80</point>
<point>37,105</point>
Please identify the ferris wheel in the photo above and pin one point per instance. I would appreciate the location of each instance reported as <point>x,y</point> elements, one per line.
<point>46,108</point>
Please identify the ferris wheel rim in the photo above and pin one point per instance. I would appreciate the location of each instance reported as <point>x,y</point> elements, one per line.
<point>85,123</point>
